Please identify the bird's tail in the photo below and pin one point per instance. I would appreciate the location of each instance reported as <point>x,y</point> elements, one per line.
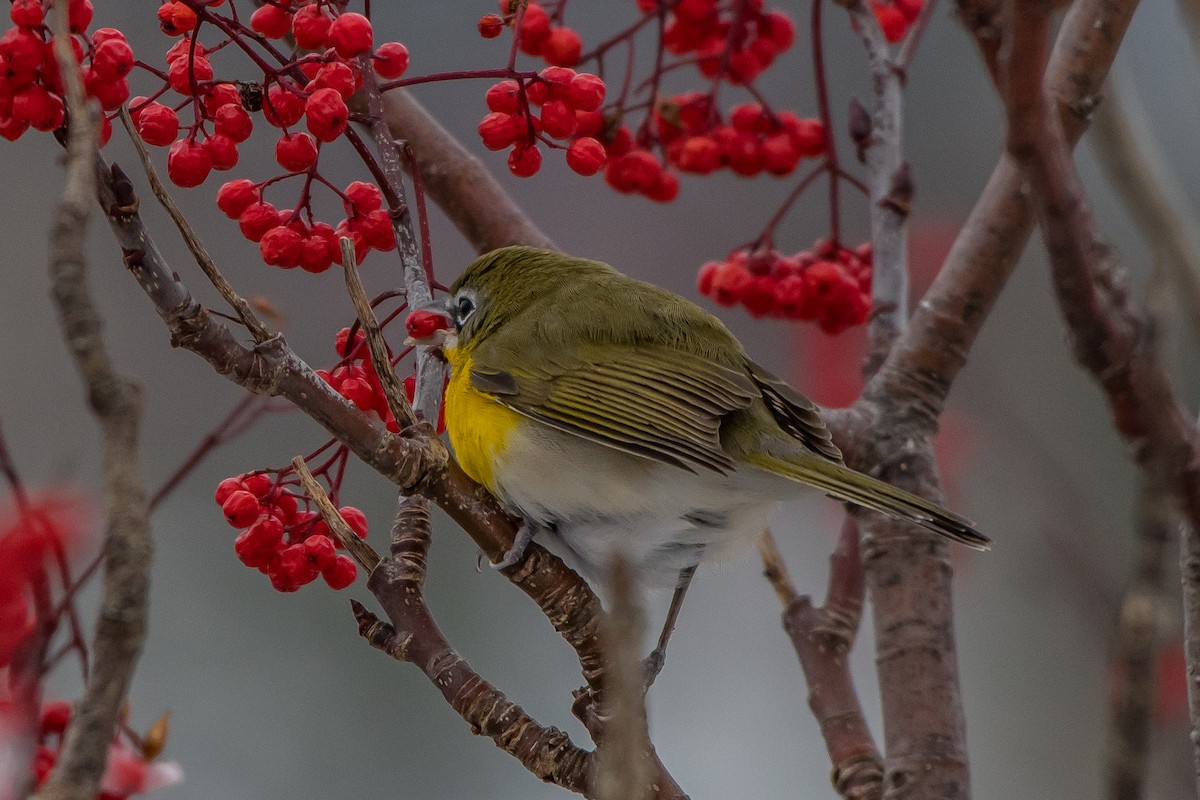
<point>854,487</point>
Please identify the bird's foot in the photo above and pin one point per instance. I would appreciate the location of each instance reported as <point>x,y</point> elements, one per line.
<point>516,553</point>
<point>652,665</point>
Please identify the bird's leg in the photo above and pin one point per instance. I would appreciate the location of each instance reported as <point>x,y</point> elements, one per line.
<point>520,544</point>
<point>658,656</point>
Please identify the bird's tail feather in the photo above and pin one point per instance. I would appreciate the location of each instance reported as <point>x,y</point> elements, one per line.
<point>862,490</point>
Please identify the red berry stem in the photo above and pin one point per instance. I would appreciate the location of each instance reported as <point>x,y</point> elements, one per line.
<point>831,156</point>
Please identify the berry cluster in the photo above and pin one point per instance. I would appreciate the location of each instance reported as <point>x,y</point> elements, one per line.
<point>289,545</point>
<point>31,88</point>
<point>895,17</point>
<point>754,140</point>
<point>356,380</point>
<point>312,91</point>
<point>130,768</point>
<point>735,41</point>
<point>569,103</point>
<point>286,241</point>
<point>538,34</point>
<point>829,284</point>
<point>45,526</point>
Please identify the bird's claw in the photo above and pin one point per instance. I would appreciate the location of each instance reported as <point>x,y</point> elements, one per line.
<point>515,554</point>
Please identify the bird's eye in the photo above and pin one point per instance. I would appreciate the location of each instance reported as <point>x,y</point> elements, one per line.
<point>464,307</point>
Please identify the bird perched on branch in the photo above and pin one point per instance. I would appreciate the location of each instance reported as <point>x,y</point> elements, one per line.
<point>610,414</point>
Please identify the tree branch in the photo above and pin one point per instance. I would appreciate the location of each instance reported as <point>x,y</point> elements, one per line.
<point>1149,191</point>
<point>116,403</point>
<point>822,638</point>
<point>1107,333</point>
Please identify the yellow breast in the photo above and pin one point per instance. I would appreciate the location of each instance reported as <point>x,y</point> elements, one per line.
<point>479,427</point>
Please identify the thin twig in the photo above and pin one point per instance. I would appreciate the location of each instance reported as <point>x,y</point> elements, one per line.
<point>1135,652</point>
<point>393,391</point>
<point>258,330</point>
<point>116,403</point>
<point>1150,192</point>
<point>359,550</point>
<point>891,188</point>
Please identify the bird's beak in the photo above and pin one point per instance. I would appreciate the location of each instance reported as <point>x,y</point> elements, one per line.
<point>430,325</point>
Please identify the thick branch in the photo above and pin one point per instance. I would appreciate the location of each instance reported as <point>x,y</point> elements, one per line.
<point>822,638</point>
<point>1107,333</point>
<point>475,202</point>
<point>116,403</point>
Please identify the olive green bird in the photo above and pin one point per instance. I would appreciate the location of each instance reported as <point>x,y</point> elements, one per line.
<point>612,415</point>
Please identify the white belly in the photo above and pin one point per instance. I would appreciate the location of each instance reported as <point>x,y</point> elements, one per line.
<point>589,500</point>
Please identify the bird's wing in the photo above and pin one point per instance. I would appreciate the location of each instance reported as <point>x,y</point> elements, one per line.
<point>656,402</point>
<point>795,413</point>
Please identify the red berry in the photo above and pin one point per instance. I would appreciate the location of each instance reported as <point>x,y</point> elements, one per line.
<point>789,297</point>
<point>729,283</point>
<point>664,189</point>
<point>257,219</point>
<point>280,247</point>
<point>226,488</point>
<point>350,34</point>
<point>282,107</point>
<point>42,110</point>
<point>315,254</point>
<point>809,136</point>
<point>112,59</point>
<point>759,295</point>
<point>490,26</point>
<point>704,278</point>
<point>421,323</point>
<point>79,15</point>
<point>22,51</point>
<point>586,156</point>
<point>320,551</point>
<point>310,26</point>
<point>336,75</point>
<point>27,13</point>
<point>341,573</point>
<point>11,128</point>
<point>184,47</point>
<point>558,120</point>
<point>535,27</point>
<point>524,161</point>
<point>562,47</point>
<point>176,18</point>
<point>891,20</point>
<point>292,569</point>
<point>259,484</point>
<point>327,114</point>
<point>503,97</point>
<point>188,163</point>
<point>910,9</point>
<point>377,227</point>
<point>232,120</point>
<point>356,519</point>
<point>390,60</point>
<point>241,508</point>
<point>698,154</point>
<point>498,130</point>
<point>55,716</point>
<point>182,71</point>
<point>586,92</point>
<point>109,93</point>
<point>744,154</point>
<point>779,28</point>
<point>780,154</point>
<point>222,150</point>
<point>364,197</point>
<point>273,22</point>
<point>296,152</point>
<point>219,95</point>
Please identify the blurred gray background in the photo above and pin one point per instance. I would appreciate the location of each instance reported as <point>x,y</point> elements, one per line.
<point>275,696</point>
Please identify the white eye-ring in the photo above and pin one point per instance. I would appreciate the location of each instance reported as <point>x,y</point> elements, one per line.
<point>464,307</point>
